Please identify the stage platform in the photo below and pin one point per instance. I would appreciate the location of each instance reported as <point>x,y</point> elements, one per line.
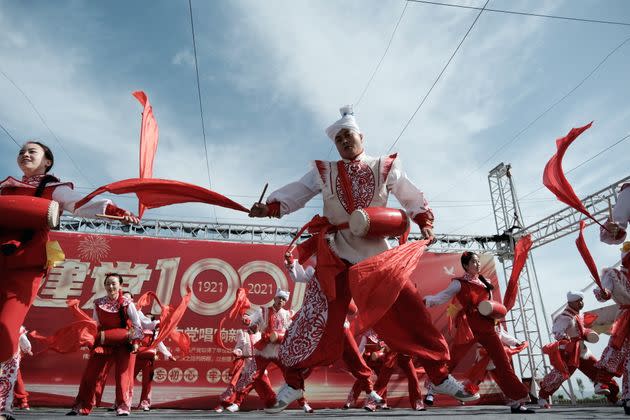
<point>493,412</point>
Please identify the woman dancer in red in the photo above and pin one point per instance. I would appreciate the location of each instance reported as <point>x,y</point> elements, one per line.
<point>23,251</point>
<point>119,332</point>
<point>470,290</point>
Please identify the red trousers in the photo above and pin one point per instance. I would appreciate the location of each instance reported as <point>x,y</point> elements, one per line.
<point>504,374</point>
<point>96,372</point>
<point>20,394</point>
<point>145,365</point>
<point>405,363</point>
<point>407,328</point>
<point>358,385</point>
<point>18,291</point>
<point>253,376</point>
<point>552,381</point>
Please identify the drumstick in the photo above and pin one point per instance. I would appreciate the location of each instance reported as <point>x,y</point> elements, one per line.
<point>107,216</point>
<point>263,193</point>
<point>610,216</point>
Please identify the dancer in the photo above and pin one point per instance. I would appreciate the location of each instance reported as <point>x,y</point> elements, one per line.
<point>119,333</point>
<point>23,256</point>
<point>373,351</point>
<point>272,323</point>
<point>145,359</point>
<point>351,355</point>
<point>470,290</point>
<point>570,350</point>
<point>615,359</point>
<point>243,352</point>
<point>356,181</point>
<point>405,364</point>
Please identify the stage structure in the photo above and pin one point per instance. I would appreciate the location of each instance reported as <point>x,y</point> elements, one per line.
<point>525,315</point>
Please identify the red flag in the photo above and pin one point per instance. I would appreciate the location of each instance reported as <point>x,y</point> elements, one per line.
<point>149,134</point>
<point>69,338</point>
<point>521,251</point>
<point>553,176</point>
<point>155,193</point>
<point>376,282</point>
<point>169,320</point>
<point>586,255</point>
<point>81,332</point>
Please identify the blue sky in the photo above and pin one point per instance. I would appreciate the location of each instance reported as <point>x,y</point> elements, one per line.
<point>273,75</point>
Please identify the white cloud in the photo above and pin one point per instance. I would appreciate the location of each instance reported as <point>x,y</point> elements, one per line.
<point>184,57</point>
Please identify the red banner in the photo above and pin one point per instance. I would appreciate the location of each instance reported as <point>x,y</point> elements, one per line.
<point>213,271</point>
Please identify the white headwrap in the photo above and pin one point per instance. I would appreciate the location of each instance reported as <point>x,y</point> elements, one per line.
<point>283,294</point>
<point>346,121</point>
<point>574,296</point>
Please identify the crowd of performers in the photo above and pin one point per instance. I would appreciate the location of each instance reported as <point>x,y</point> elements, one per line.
<point>352,274</point>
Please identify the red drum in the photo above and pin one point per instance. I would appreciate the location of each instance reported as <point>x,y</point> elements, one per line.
<point>114,337</point>
<point>492,309</point>
<point>591,336</point>
<point>378,222</point>
<point>21,212</point>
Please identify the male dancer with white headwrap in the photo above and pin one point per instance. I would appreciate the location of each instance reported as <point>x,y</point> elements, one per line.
<point>570,332</point>
<point>356,181</point>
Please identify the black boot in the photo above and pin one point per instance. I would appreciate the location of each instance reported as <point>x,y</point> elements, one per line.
<point>626,408</point>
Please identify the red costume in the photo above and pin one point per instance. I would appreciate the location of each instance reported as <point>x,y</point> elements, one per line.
<point>22,266</point>
<point>470,291</point>
<point>615,358</point>
<point>570,353</point>
<point>244,352</point>
<point>112,315</point>
<point>272,325</point>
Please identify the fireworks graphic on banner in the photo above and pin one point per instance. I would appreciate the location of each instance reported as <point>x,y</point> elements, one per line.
<point>93,248</point>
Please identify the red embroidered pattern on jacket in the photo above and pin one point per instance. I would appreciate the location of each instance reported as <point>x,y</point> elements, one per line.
<point>110,305</point>
<point>33,180</point>
<point>363,185</point>
<point>387,166</point>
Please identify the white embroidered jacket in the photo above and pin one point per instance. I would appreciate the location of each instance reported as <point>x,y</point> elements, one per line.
<point>565,326</point>
<point>620,215</point>
<point>280,322</point>
<point>372,179</point>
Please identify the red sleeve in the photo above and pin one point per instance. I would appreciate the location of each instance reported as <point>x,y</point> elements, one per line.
<point>424,220</point>
<point>113,210</point>
<point>274,209</point>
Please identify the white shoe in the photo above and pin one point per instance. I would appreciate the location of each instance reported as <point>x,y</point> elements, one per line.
<point>233,408</point>
<point>308,409</point>
<point>377,398</point>
<point>286,396</point>
<point>145,405</point>
<point>601,389</point>
<point>543,403</point>
<point>455,389</point>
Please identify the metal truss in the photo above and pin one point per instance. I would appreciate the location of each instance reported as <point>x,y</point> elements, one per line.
<point>244,233</point>
<point>524,316</point>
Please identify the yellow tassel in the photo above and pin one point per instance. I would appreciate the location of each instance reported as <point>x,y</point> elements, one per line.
<point>452,310</point>
<point>625,247</point>
<point>54,254</point>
